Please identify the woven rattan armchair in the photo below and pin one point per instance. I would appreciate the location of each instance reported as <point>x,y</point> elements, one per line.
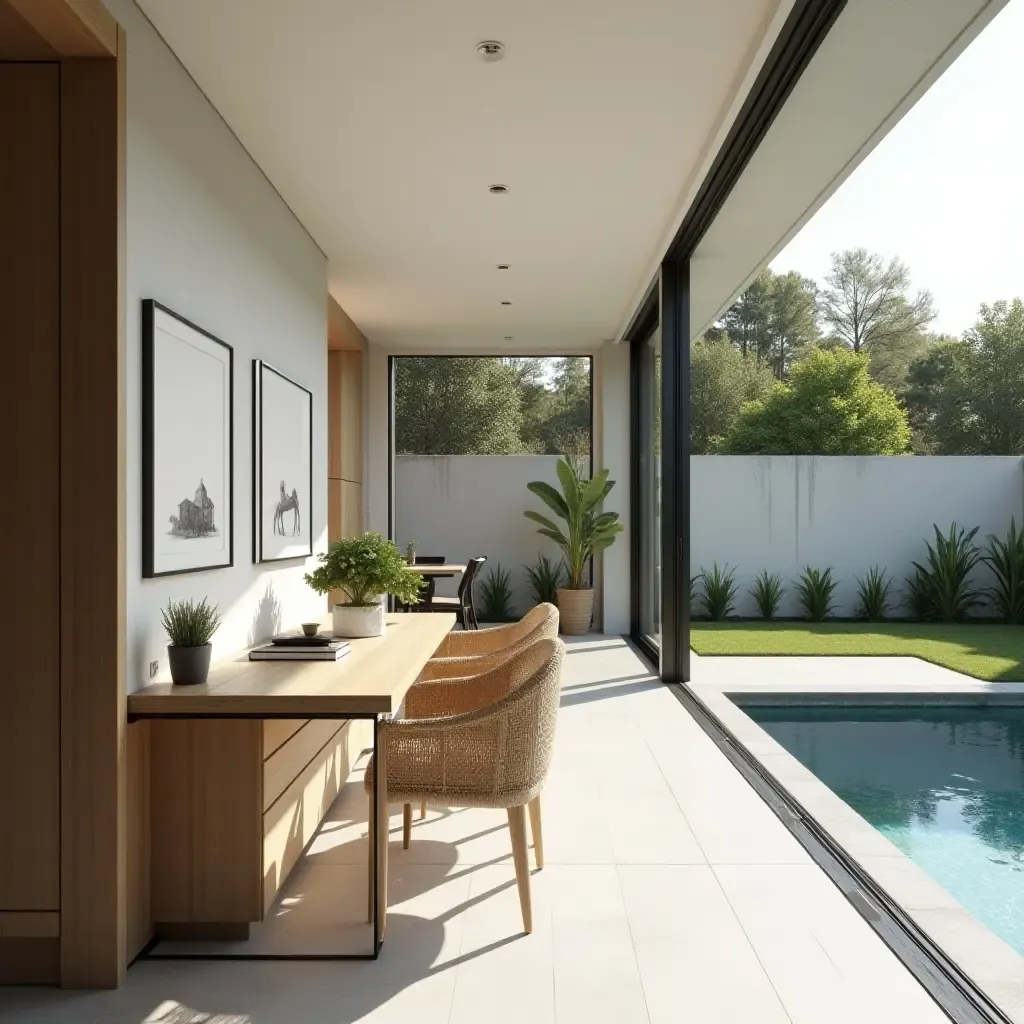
<point>484,649</point>
<point>487,742</point>
<point>476,642</point>
<point>537,624</point>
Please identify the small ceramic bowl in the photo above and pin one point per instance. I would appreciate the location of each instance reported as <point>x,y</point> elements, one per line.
<point>311,628</point>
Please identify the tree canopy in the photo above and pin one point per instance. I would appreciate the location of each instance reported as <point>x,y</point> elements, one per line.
<point>829,406</point>
<point>967,396</point>
<point>492,406</point>
<point>773,320</point>
<point>866,301</point>
<point>722,380</point>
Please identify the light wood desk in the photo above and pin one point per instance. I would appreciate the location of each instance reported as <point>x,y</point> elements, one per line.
<point>370,682</point>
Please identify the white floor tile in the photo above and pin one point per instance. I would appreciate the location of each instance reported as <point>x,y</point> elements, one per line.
<point>504,976</point>
<point>695,961</point>
<point>597,978</point>
<point>818,952</point>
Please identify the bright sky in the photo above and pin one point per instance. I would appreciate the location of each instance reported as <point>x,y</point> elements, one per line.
<point>945,189</point>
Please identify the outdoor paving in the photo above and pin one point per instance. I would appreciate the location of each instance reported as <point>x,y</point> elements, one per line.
<point>834,673</point>
<point>671,893</point>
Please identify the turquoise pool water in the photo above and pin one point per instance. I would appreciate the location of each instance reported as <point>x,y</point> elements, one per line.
<point>945,784</point>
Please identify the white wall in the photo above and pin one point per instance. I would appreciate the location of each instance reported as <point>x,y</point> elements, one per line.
<point>782,513</point>
<point>209,237</point>
<point>460,506</point>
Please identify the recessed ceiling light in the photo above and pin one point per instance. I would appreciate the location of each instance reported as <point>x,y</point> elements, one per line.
<point>506,302</point>
<point>503,266</point>
<point>490,50</point>
<point>508,337</point>
<point>498,190</point>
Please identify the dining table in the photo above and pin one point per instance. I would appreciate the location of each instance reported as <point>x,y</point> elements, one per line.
<point>439,571</point>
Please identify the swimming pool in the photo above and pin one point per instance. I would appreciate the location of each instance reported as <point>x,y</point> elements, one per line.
<point>944,784</point>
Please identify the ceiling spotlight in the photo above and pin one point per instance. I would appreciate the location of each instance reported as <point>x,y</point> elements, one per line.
<point>508,337</point>
<point>506,302</point>
<point>498,190</point>
<point>503,266</point>
<point>490,50</point>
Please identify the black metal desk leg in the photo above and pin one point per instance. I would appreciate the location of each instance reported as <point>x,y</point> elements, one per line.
<point>375,839</point>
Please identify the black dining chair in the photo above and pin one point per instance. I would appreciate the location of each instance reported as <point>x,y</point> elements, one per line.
<point>425,603</point>
<point>427,593</point>
<point>464,605</point>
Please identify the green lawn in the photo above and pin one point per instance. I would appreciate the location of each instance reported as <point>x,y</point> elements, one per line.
<point>986,651</point>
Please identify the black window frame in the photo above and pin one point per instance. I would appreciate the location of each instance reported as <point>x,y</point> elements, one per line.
<point>806,27</point>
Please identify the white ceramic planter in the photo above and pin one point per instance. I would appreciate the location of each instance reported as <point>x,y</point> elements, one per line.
<point>352,621</point>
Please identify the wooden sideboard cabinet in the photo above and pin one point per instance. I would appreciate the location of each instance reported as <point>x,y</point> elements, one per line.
<point>233,805</point>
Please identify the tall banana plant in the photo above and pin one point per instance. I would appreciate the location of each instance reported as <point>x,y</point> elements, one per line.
<point>587,529</point>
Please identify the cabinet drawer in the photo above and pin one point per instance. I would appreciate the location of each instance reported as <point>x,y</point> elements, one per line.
<point>284,766</point>
<point>296,815</point>
<point>277,731</point>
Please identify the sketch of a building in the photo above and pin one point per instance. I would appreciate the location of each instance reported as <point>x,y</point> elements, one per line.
<point>194,518</point>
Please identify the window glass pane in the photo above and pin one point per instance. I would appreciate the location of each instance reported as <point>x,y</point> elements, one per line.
<point>649,455</point>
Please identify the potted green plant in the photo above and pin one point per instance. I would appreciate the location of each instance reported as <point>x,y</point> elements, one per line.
<point>365,569</point>
<point>587,531</point>
<point>190,628</point>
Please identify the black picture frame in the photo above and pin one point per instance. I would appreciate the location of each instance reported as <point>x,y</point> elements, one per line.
<point>260,367</point>
<point>155,565</point>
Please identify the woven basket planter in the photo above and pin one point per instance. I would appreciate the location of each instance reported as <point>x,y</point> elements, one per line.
<point>575,610</point>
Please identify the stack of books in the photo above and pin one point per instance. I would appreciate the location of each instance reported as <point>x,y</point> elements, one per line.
<point>297,647</point>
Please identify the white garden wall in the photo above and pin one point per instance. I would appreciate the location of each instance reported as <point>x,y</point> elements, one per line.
<point>460,506</point>
<point>782,513</point>
<point>779,513</point>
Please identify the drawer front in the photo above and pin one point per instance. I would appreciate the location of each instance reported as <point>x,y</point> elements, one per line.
<point>291,821</point>
<point>277,731</point>
<point>285,765</point>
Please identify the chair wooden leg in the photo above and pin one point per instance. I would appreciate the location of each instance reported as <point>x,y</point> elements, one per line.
<point>517,829</point>
<point>538,832</point>
<point>406,825</point>
<point>423,810</point>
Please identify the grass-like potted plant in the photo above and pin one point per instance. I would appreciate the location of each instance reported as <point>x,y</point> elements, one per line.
<point>588,530</point>
<point>365,569</point>
<point>190,628</point>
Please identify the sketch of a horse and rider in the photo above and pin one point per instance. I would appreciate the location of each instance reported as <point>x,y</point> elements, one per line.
<point>287,503</point>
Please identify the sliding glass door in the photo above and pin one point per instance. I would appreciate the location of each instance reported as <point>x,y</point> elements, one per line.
<point>659,454</point>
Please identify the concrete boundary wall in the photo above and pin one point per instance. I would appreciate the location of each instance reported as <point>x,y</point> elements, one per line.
<point>782,513</point>
<point>779,513</point>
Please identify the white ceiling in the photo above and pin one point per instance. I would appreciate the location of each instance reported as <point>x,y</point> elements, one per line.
<point>382,129</point>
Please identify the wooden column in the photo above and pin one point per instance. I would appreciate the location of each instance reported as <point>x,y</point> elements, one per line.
<point>92,518</point>
<point>30,528</point>
<point>345,362</point>
<point>345,444</point>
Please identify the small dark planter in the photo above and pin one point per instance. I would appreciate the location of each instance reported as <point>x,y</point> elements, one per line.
<point>189,665</point>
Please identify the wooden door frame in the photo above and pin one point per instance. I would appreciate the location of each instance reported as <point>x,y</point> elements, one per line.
<point>92,617</point>
<point>89,46</point>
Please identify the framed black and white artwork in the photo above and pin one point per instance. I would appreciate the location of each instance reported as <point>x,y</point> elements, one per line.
<point>282,466</point>
<point>187,441</point>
